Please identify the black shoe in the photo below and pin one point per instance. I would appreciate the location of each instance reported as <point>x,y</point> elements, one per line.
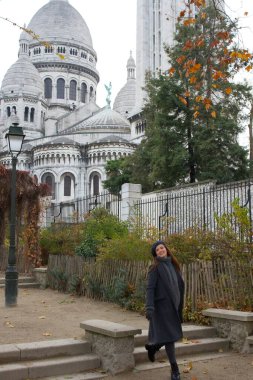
<point>151,348</point>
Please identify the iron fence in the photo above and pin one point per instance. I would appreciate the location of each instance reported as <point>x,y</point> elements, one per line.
<point>76,210</point>
<point>180,209</point>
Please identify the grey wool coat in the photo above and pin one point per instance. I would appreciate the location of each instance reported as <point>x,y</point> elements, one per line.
<point>165,323</point>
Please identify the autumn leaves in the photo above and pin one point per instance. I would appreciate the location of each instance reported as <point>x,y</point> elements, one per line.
<point>206,57</point>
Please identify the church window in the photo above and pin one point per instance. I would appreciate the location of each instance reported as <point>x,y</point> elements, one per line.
<point>83,92</point>
<point>73,51</point>
<point>96,185</point>
<point>72,90</point>
<point>14,110</point>
<point>8,111</point>
<point>60,88</point>
<point>91,92</point>
<point>26,113</point>
<point>48,178</point>
<point>32,115</point>
<point>67,186</point>
<point>61,49</point>
<point>48,88</point>
<point>83,54</point>
<point>49,49</point>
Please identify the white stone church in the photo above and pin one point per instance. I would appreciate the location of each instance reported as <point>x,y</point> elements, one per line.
<point>69,138</point>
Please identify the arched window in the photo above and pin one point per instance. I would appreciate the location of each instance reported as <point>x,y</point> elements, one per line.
<point>60,88</point>
<point>48,88</point>
<point>8,111</point>
<point>91,92</point>
<point>26,113</point>
<point>48,178</point>
<point>32,115</point>
<point>67,186</point>
<point>83,92</point>
<point>14,110</point>
<point>72,90</point>
<point>96,185</point>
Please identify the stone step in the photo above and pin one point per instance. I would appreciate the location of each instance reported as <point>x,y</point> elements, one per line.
<point>186,347</point>
<point>189,332</point>
<point>59,366</point>
<point>91,375</point>
<point>23,282</point>
<point>45,349</point>
<point>21,279</point>
<point>182,361</point>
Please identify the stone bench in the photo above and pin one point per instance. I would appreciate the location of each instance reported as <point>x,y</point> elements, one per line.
<point>237,326</point>
<point>113,343</point>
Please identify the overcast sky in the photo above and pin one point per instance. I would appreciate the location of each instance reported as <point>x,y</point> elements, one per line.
<point>112,24</point>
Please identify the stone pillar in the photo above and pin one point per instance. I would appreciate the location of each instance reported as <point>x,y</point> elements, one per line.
<point>40,275</point>
<point>130,193</point>
<point>113,343</point>
<point>235,325</point>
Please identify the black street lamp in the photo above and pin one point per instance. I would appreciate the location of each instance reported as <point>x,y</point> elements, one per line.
<point>15,139</point>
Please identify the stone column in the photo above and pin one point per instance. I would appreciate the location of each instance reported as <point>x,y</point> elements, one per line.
<point>130,193</point>
<point>113,343</point>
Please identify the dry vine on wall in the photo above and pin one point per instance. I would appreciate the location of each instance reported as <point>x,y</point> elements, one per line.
<point>28,194</point>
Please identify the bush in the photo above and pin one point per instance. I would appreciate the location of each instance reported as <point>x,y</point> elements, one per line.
<point>60,239</point>
<point>100,227</point>
<point>128,247</point>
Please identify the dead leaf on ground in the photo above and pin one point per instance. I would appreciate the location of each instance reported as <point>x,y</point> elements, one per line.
<point>9,324</point>
<point>220,350</point>
<point>187,368</point>
<point>42,317</point>
<point>186,341</point>
<point>195,341</point>
<point>47,334</point>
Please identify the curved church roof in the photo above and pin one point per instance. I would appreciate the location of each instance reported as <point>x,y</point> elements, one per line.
<point>65,23</point>
<point>22,76</point>
<point>125,99</point>
<point>104,118</point>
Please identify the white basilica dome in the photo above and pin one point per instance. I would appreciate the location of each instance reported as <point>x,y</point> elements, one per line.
<point>59,20</point>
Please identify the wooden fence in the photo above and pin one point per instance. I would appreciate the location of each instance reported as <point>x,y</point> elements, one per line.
<point>226,283</point>
<point>23,265</point>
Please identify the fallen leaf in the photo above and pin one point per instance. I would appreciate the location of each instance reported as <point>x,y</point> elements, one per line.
<point>188,368</point>
<point>47,334</point>
<point>194,341</point>
<point>194,378</point>
<point>220,350</point>
<point>42,317</point>
<point>185,341</point>
<point>9,324</point>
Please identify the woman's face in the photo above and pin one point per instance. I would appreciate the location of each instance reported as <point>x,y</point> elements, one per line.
<point>161,251</point>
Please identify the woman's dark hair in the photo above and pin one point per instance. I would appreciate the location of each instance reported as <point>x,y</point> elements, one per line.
<point>173,258</point>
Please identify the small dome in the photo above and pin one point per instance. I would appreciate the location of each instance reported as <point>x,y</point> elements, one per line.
<point>107,118</point>
<point>125,99</point>
<point>22,76</point>
<point>111,139</point>
<point>62,140</point>
<point>58,20</point>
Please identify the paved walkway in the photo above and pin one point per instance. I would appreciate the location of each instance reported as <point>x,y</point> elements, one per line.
<point>47,314</point>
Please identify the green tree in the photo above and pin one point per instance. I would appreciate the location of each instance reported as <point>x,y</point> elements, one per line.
<point>194,111</point>
<point>117,174</point>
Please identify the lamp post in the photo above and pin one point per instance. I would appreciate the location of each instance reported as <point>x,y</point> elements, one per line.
<point>15,139</point>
